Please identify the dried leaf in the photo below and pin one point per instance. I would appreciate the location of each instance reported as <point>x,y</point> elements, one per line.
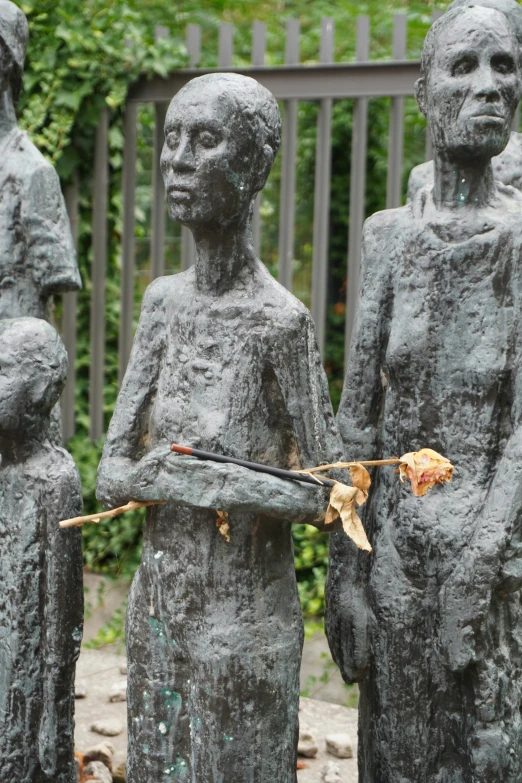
<point>302,765</point>
<point>342,504</point>
<point>424,469</point>
<point>362,481</point>
<point>222,525</point>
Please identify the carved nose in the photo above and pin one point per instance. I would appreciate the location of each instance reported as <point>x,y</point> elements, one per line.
<point>183,159</point>
<point>487,88</point>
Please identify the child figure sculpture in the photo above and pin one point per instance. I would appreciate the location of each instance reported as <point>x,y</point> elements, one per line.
<point>224,359</point>
<point>431,623</point>
<point>41,596</point>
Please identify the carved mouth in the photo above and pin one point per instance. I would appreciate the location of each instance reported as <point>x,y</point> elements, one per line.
<point>491,116</point>
<point>179,192</point>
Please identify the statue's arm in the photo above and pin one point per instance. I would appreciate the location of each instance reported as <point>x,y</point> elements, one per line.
<point>49,241</point>
<point>347,620</point>
<point>363,392</point>
<point>296,361</point>
<point>466,595</point>
<point>129,470</point>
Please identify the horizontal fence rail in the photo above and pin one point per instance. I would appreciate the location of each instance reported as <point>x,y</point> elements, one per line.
<point>290,83</point>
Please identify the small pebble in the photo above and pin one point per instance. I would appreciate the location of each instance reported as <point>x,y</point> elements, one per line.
<point>339,745</point>
<point>80,689</point>
<point>119,775</point>
<point>331,773</point>
<point>307,745</point>
<point>97,772</point>
<point>108,728</point>
<point>123,669</point>
<point>118,692</point>
<point>103,752</point>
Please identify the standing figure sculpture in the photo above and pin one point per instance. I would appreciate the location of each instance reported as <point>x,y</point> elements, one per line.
<point>507,166</point>
<point>224,359</point>
<point>37,257</point>
<point>41,595</point>
<point>431,623</point>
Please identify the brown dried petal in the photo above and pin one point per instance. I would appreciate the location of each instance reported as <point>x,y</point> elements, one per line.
<point>342,503</point>
<point>362,481</point>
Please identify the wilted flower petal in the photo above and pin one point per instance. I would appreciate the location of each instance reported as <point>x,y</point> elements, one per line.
<point>424,469</point>
<point>362,481</point>
<point>342,503</point>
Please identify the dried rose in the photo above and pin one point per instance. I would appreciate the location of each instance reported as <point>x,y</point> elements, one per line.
<point>424,469</point>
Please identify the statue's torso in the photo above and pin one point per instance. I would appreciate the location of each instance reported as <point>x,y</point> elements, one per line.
<point>36,253</point>
<point>449,371</point>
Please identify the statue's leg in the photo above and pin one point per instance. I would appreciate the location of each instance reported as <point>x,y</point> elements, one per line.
<point>244,707</point>
<point>158,680</point>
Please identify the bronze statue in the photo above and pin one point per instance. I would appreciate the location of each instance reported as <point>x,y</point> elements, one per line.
<point>41,595</point>
<point>431,623</point>
<point>37,257</point>
<point>224,359</point>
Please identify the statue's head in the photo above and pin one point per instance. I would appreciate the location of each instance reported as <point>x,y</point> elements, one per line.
<point>470,83</point>
<point>14,34</point>
<point>33,371</point>
<point>510,8</point>
<point>222,133</point>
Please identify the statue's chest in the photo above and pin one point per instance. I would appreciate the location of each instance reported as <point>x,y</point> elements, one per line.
<point>211,373</point>
<point>454,311</point>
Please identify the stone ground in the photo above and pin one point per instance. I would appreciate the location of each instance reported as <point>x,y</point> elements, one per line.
<point>325,712</point>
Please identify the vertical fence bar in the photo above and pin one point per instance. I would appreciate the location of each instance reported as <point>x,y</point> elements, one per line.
<point>323,169</point>
<point>69,318</point>
<point>128,239</point>
<point>158,218</point>
<point>289,149</point>
<point>357,188</point>
<point>258,60</point>
<point>193,43</point>
<point>226,43</point>
<point>258,43</point>
<point>99,269</point>
<point>396,141</point>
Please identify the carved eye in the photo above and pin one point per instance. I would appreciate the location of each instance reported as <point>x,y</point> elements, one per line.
<point>173,139</point>
<point>503,63</point>
<point>208,139</point>
<point>463,66</point>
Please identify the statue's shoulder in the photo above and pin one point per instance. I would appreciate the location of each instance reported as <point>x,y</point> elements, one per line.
<point>54,464</point>
<point>419,176</point>
<point>168,288</point>
<point>26,159</point>
<point>388,225</point>
<point>278,303</point>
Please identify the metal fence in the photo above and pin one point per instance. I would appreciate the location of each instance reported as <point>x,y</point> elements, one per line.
<point>322,83</point>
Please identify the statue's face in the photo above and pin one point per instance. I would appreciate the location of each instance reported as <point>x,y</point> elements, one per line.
<point>208,159</point>
<point>472,88</point>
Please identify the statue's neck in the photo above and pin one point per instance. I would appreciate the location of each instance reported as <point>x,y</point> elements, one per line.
<point>7,113</point>
<point>22,446</point>
<point>221,255</point>
<point>463,183</point>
